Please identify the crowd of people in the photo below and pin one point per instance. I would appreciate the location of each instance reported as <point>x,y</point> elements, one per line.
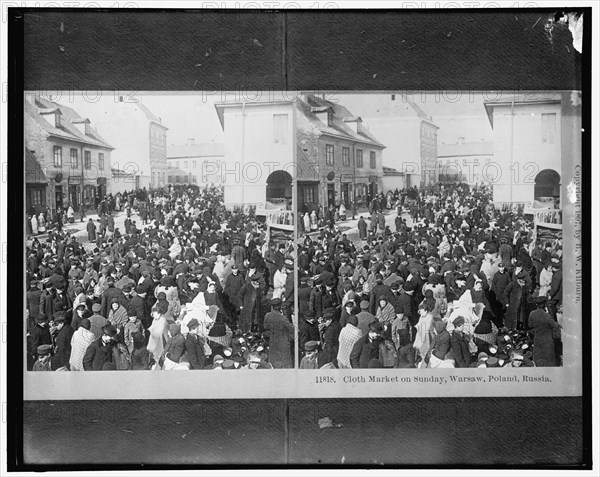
<point>191,286</point>
<point>465,285</point>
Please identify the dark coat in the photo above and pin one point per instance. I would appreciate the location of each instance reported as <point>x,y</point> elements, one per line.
<point>175,348</point>
<point>460,348</point>
<point>139,305</point>
<point>331,343</point>
<point>307,332</point>
<point>97,355</point>
<point>543,327</point>
<point>108,295</point>
<point>516,297</point>
<point>281,335</point>
<point>33,302</point>
<point>405,304</point>
<point>364,351</point>
<point>249,297</point>
<point>91,231</point>
<point>376,292</point>
<point>233,285</point>
<point>39,335</point>
<point>304,292</point>
<point>194,348</point>
<point>62,348</point>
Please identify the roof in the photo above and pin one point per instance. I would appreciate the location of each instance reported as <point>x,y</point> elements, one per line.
<point>390,171</point>
<point>67,129</point>
<point>341,117</point>
<point>480,148</point>
<point>150,115</point>
<point>490,105</point>
<point>209,149</point>
<point>261,100</point>
<point>33,170</point>
<point>420,113</point>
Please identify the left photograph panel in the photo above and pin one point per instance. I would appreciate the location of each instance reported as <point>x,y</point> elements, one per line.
<point>159,231</point>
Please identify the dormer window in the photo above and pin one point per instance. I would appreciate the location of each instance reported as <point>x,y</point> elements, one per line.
<point>57,120</point>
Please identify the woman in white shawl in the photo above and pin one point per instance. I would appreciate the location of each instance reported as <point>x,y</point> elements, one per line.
<point>175,249</point>
<point>279,280</point>
<point>158,332</point>
<point>424,331</point>
<point>444,247</point>
<point>306,219</point>
<point>41,223</point>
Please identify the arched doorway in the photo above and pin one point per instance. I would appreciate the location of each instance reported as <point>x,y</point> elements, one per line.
<point>279,186</point>
<point>547,187</point>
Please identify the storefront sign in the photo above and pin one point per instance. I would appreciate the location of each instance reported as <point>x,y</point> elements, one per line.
<point>75,180</point>
<point>101,180</point>
<point>373,178</point>
<point>346,178</point>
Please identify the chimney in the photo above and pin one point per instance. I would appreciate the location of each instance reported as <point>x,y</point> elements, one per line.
<point>461,140</point>
<point>191,141</point>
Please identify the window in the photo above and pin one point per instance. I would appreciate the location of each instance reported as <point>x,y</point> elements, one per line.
<point>329,154</point>
<point>359,158</point>
<point>186,164</point>
<point>87,159</point>
<point>35,196</point>
<point>101,161</point>
<point>548,127</point>
<point>393,97</point>
<point>194,179</point>
<point>280,128</point>
<point>309,195</point>
<point>176,164</point>
<point>56,120</point>
<point>74,159</point>
<point>346,156</point>
<point>57,156</point>
<point>372,160</point>
<point>193,164</point>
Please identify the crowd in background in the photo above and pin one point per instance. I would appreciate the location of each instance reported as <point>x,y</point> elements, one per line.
<point>189,285</point>
<point>465,285</point>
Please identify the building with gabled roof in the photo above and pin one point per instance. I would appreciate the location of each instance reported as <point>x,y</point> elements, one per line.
<point>73,157</point>
<point>464,161</point>
<point>195,163</point>
<point>329,150</point>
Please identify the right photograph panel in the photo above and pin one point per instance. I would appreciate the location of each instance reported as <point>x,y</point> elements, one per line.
<point>430,228</point>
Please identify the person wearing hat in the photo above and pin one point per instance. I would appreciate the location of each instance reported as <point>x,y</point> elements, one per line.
<point>367,348</point>
<point>97,321</point>
<point>44,356</point>
<point>500,282</point>
<point>100,351</point>
<point>459,342</point>
<point>424,331</point>
<point>365,318</point>
<point>32,297</point>
<point>308,329</point>
<point>311,353</point>
<point>250,297</point>
<point>515,296</point>
<point>174,348</point>
<point>281,336</point>
<point>38,336</point>
<point>110,293</point>
<point>377,292</point>
<point>556,292</point>
<point>133,325</point>
<point>62,342</point>
<point>545,334</point>
<point>329,329</point>
<point>80,341</point>
<point>194,346</point>
<point>440,345</point>
<point>233,285</point>
<point>349,335</point>
<point>158,333</point>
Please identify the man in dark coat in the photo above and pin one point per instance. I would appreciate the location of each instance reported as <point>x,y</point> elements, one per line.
<point>378,290</point>
<point>62,343</point>
<point>108,295</point>
<point>91,230</point>
<point>367,348</point>
<point>138,305</point>
<point>175,346</point>
<point>515,296</point>
<point>100,351</point>
<point>308,329</point>
<point>544,330</point>
<point>33,303</point>
<point>362,228</point>
<point>250,304</point>
<point>459,341</point>
<point>39,335</point>
<point>194,346</point>
<point>281,336</point>
<point>331,333</point>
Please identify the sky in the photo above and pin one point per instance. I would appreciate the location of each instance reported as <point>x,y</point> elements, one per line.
<point>458,114</point>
